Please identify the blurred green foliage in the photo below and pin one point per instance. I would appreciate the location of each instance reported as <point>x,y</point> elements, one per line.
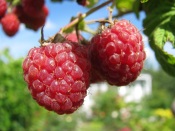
<point>151,114</point>
<point>15,101</point>
<point>143,116</point>
<point>161,80</point>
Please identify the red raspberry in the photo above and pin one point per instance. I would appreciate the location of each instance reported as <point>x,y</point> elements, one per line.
<point>33,7</point>
<point>58,76</point>
<point>95,76</point>
<point>118,53</point>
<point>36,23</point>
<point>82,2</point>
<point>3,8</point>
<point>73,37</point>
<point>32,22</point>
<point>10,24</point>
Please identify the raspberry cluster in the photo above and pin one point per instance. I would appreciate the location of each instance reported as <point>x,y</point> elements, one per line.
<point>32,13</point>
<point>58,74</point>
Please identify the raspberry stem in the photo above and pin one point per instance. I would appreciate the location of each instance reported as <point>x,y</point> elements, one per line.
<point>110,14</point>
<point>82,16</point>
<point>42,35</point>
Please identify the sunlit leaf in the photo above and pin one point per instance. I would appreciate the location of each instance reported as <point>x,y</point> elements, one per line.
<point>143,1</point>
<point>91,3</point>
<point>124,5</point>
<point>81,25</point>
<point>160,28</point>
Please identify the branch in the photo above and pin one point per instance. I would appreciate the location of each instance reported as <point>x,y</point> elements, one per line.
<point>82,16</point>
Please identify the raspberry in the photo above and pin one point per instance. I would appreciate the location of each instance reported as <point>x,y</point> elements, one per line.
<point>73,37</point>
<point>117,53</point>
<point>95,76</point>
<point>3,8</point>
<point>36,23</point>
<point>58,76</point>
<point>33,7</point>
<point>10,24</point>
<point>82,2</point>
<point>32,22</point>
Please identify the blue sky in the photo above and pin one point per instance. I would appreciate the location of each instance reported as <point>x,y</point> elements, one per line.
<point>59,16</point>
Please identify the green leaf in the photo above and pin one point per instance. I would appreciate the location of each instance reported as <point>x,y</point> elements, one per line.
<point>160,28</point>
<point>81,25</point>
<point>124,5</point>
<point>143,1</point>
<point>16,2</point>
<point>136,6</point>
<point>92,3</point>
<point>69,30</point>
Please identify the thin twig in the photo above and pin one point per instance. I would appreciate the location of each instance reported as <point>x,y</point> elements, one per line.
<point>98,7</point>
<point>82,16</point>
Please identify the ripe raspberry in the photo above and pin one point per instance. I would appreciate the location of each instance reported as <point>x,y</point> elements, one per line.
<point>95,76</point>
<point>33,7</point>
<point>73,37</point>
<point>3,8</point>
<point>32,22</point>
<point>58,76</point>
<point>36,23</point>
<point>10,24</point>
<point>118,53</point>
